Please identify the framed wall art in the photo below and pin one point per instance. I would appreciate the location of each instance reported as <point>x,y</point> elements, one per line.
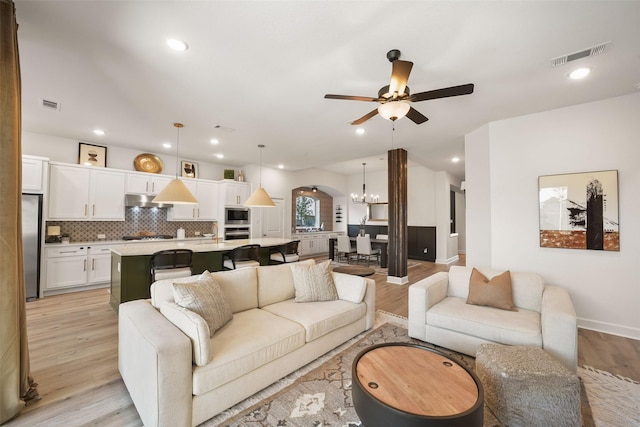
<point>92,155</point>
<point>189,169</point>
<point>579,211</point>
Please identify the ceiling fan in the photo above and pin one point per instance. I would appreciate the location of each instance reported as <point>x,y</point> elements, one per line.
<point>394,99</point>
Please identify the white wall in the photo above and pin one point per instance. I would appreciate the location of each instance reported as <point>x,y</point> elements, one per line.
<point>503,162</point>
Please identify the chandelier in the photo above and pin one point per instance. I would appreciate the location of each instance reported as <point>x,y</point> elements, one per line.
<point>363,200</point>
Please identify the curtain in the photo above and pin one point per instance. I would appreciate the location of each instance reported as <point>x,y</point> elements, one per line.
<point>16,385</point>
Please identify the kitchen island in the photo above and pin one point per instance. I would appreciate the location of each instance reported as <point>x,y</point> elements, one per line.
<point>131,263</point>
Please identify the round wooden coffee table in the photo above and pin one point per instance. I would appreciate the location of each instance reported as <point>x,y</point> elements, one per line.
<point>402,384</point>
<point>356,270</point>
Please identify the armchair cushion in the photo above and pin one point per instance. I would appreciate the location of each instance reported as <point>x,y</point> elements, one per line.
<point>495,292</point>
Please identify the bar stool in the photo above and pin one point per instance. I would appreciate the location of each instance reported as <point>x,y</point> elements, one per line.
<point>284,253</point>
<point>171,263</point>
<point>241,257</point>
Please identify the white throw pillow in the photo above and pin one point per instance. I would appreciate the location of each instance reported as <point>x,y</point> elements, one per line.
<point>313,282</point>
<point>350,288</point>
<point>204,297</point>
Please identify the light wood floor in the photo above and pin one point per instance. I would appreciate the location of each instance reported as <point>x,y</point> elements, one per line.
<point>73,346</point>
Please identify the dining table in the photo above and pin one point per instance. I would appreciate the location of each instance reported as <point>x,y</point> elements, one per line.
<point>381,244</point>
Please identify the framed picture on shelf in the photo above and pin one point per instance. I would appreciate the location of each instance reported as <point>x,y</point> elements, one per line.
<point>92,155</point>
<point>229,174</point>
<point>579,211</point>
<point>189,169</point>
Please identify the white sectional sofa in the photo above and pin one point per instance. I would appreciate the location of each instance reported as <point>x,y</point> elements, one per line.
<point>545,317</point>
<point>177,379</point>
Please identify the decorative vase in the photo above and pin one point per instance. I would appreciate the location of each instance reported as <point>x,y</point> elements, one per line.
<point>240,177</point>
<point>362,232</point>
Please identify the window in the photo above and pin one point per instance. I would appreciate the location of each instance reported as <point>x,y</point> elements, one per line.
<point>307,212</point>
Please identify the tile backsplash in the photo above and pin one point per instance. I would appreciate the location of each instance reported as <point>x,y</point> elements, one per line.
<point>136,220</point>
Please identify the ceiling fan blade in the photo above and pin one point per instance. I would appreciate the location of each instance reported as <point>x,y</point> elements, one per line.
<point>442,93</point>
<point>399,76</point>
<point>365,117</point>
<point>351,98</point>
<point>416,116</point>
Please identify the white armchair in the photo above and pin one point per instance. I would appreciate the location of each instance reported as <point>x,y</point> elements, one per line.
<point>545,316</point>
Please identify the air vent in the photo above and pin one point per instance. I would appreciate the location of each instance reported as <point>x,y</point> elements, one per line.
<point>50,105</point>
<point>591,51</point>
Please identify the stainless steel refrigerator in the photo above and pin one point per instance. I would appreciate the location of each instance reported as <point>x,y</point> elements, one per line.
<point>31,238</point>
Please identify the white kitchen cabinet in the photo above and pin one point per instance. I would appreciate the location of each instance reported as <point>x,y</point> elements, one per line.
<point>70,267</point>
<point>66,266</point>
<point>313,244</point>
<point>32,174</point>
<point>234,193</point>
<point>99,265</point>
<point>85,193</point>
<point>145,183</point>
<point>206,192</point>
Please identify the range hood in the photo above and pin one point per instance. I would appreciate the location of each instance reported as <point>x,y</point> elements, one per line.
<point>143,201</point>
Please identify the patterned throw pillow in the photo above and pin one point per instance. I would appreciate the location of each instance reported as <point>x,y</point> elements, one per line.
<point>206,298</point>
<point>313,282</point>
<point>496,292</point>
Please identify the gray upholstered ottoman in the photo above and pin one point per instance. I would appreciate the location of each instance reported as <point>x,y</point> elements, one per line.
<point>526,386</point>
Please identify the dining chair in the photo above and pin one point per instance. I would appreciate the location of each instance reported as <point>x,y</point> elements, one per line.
<point>363,246</point>
<point>344,248</point>
<point>171,263</point>
<point>382,236</point>
<point>241,257</point>
<point>284,253</point>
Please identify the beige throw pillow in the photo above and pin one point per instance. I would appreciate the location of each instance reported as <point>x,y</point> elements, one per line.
<point>496,292</point>
<point>204,297</point>
<point>313,282</point>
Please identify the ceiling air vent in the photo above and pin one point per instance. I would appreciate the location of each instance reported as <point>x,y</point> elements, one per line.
<point>50,105</point>
<point>591,51</point>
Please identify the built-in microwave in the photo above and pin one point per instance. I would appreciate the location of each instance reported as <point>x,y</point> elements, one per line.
<point>237,216</point>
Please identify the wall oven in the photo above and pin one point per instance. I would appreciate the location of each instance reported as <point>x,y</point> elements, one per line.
<point>236,233</point>
<point>237,216</point>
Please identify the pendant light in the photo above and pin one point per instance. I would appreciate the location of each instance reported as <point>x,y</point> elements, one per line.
<point>260,198</point>
<point>175,191</point>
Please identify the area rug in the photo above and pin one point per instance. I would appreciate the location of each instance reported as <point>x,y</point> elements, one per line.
<point>319,394</point>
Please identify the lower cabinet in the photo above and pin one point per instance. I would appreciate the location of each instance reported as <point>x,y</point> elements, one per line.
<point>314,244</point>
<point>69,267</point>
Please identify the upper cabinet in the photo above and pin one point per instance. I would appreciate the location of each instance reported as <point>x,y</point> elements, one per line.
<point>206,192</point>
<point>234,193</point>
<point>145,183</point>
<point>85,193</point>
<point>33,169</point>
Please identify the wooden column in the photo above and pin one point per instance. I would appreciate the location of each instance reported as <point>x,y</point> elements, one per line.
<point>398,235</point>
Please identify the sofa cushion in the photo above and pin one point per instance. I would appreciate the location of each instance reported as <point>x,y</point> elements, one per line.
<point>495,292</point>
<point>204,297</point>
<point>508,327</point>
<point>240,288</point>
<point>319,318</point>
<point>275,283</point>
<point>350,287</point>
<point>314,282</point>
<point>193,326</point>
<point>527,287</point>
<point>253,338</point>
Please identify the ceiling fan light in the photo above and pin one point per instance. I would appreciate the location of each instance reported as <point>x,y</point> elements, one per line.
<point>394,110</point>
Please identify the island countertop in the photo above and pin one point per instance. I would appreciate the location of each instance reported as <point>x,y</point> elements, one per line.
<point>137,249</point>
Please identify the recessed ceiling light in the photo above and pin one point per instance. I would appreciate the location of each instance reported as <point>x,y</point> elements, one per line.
<point>455,159</point>
<point>220,156</point>
<point>99,132</point>
<point>166,145</point>
<point>579,73</point>
<point>178,45</point>
<point>215,141</point>
<point>360,131</point>
<point>280,166</point>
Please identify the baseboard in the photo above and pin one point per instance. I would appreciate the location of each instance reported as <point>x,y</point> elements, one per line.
<point>451,260</point>
<point>398,280</point>
<point>609,328</point>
